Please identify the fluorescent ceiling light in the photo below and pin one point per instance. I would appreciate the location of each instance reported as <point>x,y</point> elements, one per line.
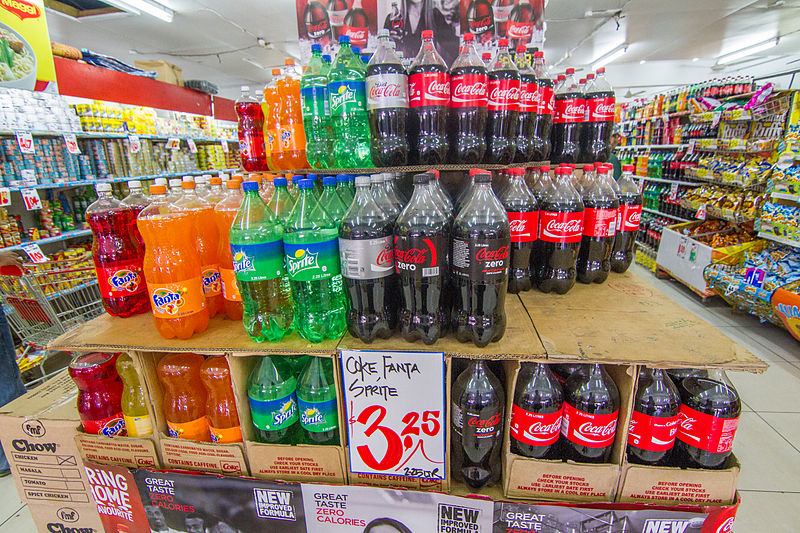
<point>138,7</point>
<point>643,61</point>
<point>611,56</point>
<point>744,52</point>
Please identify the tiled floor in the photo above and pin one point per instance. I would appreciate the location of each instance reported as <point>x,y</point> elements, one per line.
<point>767,442</point>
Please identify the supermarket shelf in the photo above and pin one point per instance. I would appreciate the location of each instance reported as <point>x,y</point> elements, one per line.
<point>99,135</point>
<point>63,237</point>
<point>411,168</point>
<point>661,180</point>
<point>652,147</point>
<point>786,196</point>
<point>754,187</point>
<point>121,179</point>
<point>671,115</point>
<point>656,212</point>
<point>782,240</point>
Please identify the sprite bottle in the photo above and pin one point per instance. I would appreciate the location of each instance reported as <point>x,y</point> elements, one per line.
<point>316,398</point>
<point>348,106</point>
<point>344,190</point>
<point>271,389</point>
<point>281,202</point>
<point>257,246</point>
<point>331,200</point>
<point>310,242</point>
<point>316,115</point>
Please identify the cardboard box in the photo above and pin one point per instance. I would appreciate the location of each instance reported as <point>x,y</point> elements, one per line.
<point>227,459</point>
<point>166,72</point>
<point>280,462</point>
<point>567,481</point>
<point>80,518</point>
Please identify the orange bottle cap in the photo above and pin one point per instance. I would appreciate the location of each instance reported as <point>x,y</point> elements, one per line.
<point>187,185</point>
<point>158,189</point>
<point>254,177</point>
<point>215,181</point>
<point>232,184</point>
<point>276,72</point>
<point>288,61</point>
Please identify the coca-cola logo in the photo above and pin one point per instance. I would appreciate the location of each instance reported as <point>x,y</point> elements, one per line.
<point>385,258</point>
<point>594,433</point>
<point>485,254</point>
<point>477,88</point>
<point>318,30</point>
<point>517,226</point>
<point>567,227</point>
<point>520,30</point>
<point>439,89</point>
<point>537,428</point>
<point>356,34</point>
<point>573,110</point>
<point>504,94</point>
<point>385,90</point>
<point>605,109</point>
<point>687,422</point>
<point>634,217</point>
<point>481,25</point>
<point>412,255</point>
<point>726,526</point>
<point>476,422</point>
<point>529,97</point>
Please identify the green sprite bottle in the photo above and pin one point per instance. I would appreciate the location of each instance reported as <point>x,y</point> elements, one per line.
<point>316,398</point>
<point>271,389</point>
<point>331,200</point>
<point>311,245</point>
<point>256,238</point>
<point>281,202</point>
<point>316,115</point>
<point>344,190</point>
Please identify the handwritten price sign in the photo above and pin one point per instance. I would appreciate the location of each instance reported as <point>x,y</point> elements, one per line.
<point>135,144</point>
<point>396,420</point>
<point>71,142</point>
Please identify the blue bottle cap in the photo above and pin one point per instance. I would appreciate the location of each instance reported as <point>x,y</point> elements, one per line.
<point>311,177</point>
<point>305,184</point>
<point>329,180</point>
<point>341,178</point>
<point>249,186</point>
<point>296,178</point>
<point>326,58</point>
<point>316,48</point>
<point>356,50</point>
<point>279,182</point>
<point>344,39</point>
<point>351,177</point>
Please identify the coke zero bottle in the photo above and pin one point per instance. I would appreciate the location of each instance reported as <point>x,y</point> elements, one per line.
<point>523,219</point>
<point>387,105</point>
<point>567,121</point>
<point>543,117</point>
<point>599,229</point>
<point>630,212</point>
<point>560,232</point>
<point>468,104</point>
<point>479,254</point>
<point>421,235</point>
<point>356,25</point>
<point>536,412</point>
<point>520,24</point>
<point>596,133</point>
<point>480,20</point>
<point>527,108</point>
<point>477,431</point>
<point>501,122</point>
<point>318,25</point>
<point>429,100</point>
<point>591,409</point>
<point>654,420</point>
<point>709,416</point>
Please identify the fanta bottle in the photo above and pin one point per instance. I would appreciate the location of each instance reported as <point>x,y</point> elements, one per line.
<point>207,246</point>
<point>273,103</point>
<point>175,189</point>
<point>224,213</point>
<point>292,133</point>
<point>99,394</point>
<point>215,191</point>
<point>134,406</point>
<point>117,255</point>
<point>184,401</point>
<point>223,419</point>
<point>252,150</point>
<point>172,268</point>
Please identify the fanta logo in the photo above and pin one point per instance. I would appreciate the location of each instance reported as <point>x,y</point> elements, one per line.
<point>244,148</point>
<point>113,427</point>
<point>342,96</point>
<point>212,281</point>
<point>481,25</point>
<point>484,254</point>
<point>286,137</point>
<point>286,412</point>
<point>504,95</point>
<point>302,260</point>
<point>385,258</point>
<point>412,255</point>
<point>242,262</point>
<point>23,10</point>
<point>124,280</point>
<point>311,416</point>
<point>168,301</point>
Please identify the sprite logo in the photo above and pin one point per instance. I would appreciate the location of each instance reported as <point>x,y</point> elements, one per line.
<point>243,263</point>
<point>301,261</point>
<point>311,416</point>
<point>342,96</point>
<point>286,412</point>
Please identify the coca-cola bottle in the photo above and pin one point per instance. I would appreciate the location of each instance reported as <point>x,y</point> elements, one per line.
<point>596,133</point>
<point>443,201</point>
<point>380,194</point>
<point>543,118</point>
<point>520,24</point>
<point>318,25</point>
<point>560,232</point>
<point>479,254</point>
<point>395,22</point>
<point>421,235</point>
<point>591,409</point>
<point>523,219</point>
<point>429,100</point>
<point>337,9</point>
<point>567,120</point>
<point>486,57</point>
<point>387,105</point>
<point>630,212</point>
<point>709,417</point>
<point>480,20</point>
<point>563,371</point>
<point>599,229</point>
<point>654,420</point>
<point>356,25</point>
<point>677,375</point>
<point>478,406</point>
<point>536,412</point>
<point>501,121</point>
<point>528,108</point>
<point>466,191</point>
<point>501,8</point>
<point>468,105</point>
<point>367,259</point>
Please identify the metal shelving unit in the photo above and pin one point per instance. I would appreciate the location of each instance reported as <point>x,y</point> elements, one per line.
<point>656,212</point>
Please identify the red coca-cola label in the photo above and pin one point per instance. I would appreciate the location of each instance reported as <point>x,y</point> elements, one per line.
<point>569,110</point>
<point>469,90</point>
<point>601,109</point>
<point>652,433</point>
<point>420,257</point>
<point>524,226</point>
<point>121,280</point>
<point>545,100</point>
<point>481,27</point>
<point>599,222</point>
<point>707,432</point>
<point>528,98</point>
<point>429,89</point>
<point>503,95</point>
<point>560,227</point>
<point>520,30</point>
<point>629,217</point>
<point>590,430</point>
<point>357,34</point>
<point>536,429</point>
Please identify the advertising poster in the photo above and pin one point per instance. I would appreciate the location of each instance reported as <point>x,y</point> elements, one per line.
<point>201,503</point>
<point>323,21</point>
<point>372,510</point>
<point>26,59</point>
<point>117,497</point>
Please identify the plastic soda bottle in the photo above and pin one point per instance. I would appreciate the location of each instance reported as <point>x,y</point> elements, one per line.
<point>252,150</point>
<point>224,213</point>
<point>215,192</point>
<point>316,398</point>
<point>207,241</point>
<point>273,119</point>
<point>281,203</point>
<point>223,419</point>
<point>136,200</point>
<point>316,114</point>
<point>343,188</point>
<point>184,401</point>
<point>271,389</point>
<point>99,394</point>
<point>256,238</point>
<point>134,398</point>
<point>331,200</point>
<point>117,255</point>
<point>311,245</point>
<point>348,107</point>
<point>292,134</point>
<point>172,268</point>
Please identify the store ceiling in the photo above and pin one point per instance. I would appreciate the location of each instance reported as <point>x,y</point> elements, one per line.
<point>217,41</point>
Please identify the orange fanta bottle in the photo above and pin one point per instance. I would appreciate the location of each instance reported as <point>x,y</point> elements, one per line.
<point>172,268</point>
<point>223,419</point>
<point>273,119</point>
<point>184,401</point>
<point>292,133</point>
<point>224,213</point>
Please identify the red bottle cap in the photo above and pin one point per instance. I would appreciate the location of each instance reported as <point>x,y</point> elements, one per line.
<point>538,54</point>
<point>544,168</point>
<point>427,34</point>
<point>521,49</point>
<point>516,171</point>
<point>570,71</point>
<point>601,70</point>
<point>502,42</point>
<point>468,37</point>
<point>628,168</point>
<point>588,168</point>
